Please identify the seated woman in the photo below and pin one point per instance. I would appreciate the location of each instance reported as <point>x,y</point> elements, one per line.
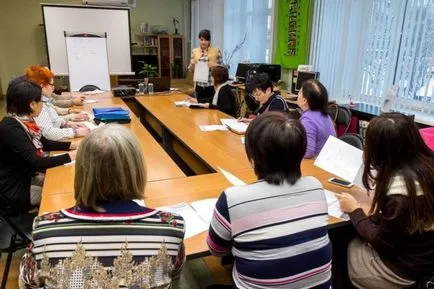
<point>124,243</point>
<point>275,227</point>
<point>53,126</point>
<point>313,101</point>
<point>263,92</point>
<point>224,98</point>
<point>397,239</point>
<point>22,146</point>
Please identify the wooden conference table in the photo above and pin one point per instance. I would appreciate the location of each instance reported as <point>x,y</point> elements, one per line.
<point>203,152</point>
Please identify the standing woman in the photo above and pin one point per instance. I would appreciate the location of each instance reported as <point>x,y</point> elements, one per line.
<point>22,147</point>
<point>396,247</point>
<point>210,55</point>
<point>313,101</point>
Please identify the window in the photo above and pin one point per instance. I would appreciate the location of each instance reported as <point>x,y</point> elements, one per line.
<point>363,47</point>
<point>252,20</point>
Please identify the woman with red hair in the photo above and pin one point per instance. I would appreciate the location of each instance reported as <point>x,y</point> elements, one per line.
<point>53,126</point>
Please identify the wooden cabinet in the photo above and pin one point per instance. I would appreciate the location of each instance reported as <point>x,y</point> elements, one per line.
<point>171,56</point>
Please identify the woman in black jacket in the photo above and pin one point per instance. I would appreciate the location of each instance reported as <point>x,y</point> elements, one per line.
<point>224,99</point>
<point>22,147</point>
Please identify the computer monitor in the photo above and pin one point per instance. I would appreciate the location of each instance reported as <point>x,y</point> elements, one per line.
<point>274,71</point>
<point>242,69</point>
<point>303,76</point>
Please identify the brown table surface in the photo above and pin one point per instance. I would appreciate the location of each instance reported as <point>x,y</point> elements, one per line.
<point>166,183</point>
<point>217,148</point>
<point>159,165</point>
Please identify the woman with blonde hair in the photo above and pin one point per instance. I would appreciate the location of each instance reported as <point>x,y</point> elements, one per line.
<point>131,245</point>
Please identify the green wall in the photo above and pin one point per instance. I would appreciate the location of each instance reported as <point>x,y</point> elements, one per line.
<point>22,38</point>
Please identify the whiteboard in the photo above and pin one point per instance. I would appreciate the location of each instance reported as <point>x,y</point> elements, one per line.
<point>87,62</point>
<point>115,21</point>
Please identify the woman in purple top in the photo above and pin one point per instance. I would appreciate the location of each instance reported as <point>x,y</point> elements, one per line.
<point>313,100</point>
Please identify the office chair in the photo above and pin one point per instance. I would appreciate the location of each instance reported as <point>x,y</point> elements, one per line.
<point>16,233</point>
<point>353,139</point>
<point>343,120</point>
<point>333,111</point>
<point>89,87</point>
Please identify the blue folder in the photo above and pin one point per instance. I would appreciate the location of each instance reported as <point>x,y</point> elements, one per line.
<point>111,113</point>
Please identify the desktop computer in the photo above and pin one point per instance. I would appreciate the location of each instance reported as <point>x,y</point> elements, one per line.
<point>273,70</point>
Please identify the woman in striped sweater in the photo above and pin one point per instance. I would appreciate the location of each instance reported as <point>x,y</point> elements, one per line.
<point>107,240</point>
<point>275,227</point>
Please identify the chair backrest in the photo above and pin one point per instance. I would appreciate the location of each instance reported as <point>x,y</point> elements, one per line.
<point>89,87</point>
<point>333,111</point>
<point>353,139</point>
<point>343,119</point>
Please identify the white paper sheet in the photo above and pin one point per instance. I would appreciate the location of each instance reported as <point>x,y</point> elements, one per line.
<point>193,222</point>
<point>92,126</point>
<point>96,91</point>
<point>182,103</point>
<point>340,159</point>
<point>213,127</point>
<point>333,206</point>
<point>231,178</point>
<point>89,101</point>
<point>201,72</point>
<point>234,125</point>
<point>205,209</point>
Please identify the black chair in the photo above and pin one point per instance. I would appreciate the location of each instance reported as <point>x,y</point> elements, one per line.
<point>343,118</point>
<point>16,230</point>
<point>89,87</point>
<point>424,284</point>
<point>353,139</point>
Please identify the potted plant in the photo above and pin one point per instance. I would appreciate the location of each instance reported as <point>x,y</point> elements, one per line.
<point>148,70</point>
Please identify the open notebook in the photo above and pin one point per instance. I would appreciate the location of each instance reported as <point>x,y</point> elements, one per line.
<point>197,215</point>
<point>234,125</point>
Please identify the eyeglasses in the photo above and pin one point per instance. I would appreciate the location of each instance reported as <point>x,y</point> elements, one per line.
<point>51,84</point>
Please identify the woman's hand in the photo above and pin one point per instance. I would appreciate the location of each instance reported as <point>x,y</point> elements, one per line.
<point>246,120</point>
<point>74,145</point>
<point>77,101</point>
<point>212,64</point>
<point>347,202</point>
<point>72,155</point>
<point>72,124</point>
<point>191,99</point>
<point>82,131</point>
<point>192,64</point>
<point>81,117</point>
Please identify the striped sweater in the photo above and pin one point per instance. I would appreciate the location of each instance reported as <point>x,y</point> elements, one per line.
<point>153,239</point>
<point>52,125</point>
<point>277,234</point>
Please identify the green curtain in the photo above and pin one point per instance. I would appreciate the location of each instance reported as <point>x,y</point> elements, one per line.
<point>292,33</point>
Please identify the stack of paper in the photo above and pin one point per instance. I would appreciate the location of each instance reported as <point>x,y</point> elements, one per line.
<point>96,91</point>
<point>212,127</point>
<point>235,125</point>
<point>197,216</point>
<point>182,103</point>
<point>341,159</point>
<point>88,101</point>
